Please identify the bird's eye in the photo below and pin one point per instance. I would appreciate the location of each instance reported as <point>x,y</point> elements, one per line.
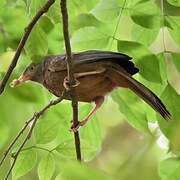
<point>31,68</point>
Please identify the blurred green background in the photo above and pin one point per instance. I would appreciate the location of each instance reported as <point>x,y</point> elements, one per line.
<point>126,140</point>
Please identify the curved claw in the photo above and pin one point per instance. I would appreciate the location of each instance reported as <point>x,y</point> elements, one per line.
<point>75,128</point>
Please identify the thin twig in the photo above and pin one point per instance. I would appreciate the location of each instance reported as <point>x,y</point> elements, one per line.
<point>22,42</point>
<point>15,140</point>
<point>71,79</point>
<point>33,119</point>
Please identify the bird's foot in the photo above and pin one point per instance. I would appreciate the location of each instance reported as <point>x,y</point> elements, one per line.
<point>75,128</point>
<point>67,85</point>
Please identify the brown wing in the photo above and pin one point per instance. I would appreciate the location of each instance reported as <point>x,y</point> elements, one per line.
<point>57,63</point>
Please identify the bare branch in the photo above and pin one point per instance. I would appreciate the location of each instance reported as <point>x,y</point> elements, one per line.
<point>71,79</point>
<point>15,140</point>
<point>33,119</point>
<point>22,42</point>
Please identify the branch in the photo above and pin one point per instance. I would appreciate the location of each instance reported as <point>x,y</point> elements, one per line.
<point>33,119</point>
<point>71,79</point>
<point>22,42</point>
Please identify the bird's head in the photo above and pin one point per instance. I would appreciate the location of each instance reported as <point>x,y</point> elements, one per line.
<point>32,72</point>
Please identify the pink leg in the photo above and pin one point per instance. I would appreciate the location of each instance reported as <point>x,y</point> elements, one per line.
<point>98,102</point>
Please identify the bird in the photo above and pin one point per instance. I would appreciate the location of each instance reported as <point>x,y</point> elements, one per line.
<point>97,73</point>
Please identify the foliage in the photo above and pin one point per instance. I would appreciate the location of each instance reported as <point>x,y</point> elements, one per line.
<point>146,30</point>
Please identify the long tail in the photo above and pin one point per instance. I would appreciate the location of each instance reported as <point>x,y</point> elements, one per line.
<point>119,75</point>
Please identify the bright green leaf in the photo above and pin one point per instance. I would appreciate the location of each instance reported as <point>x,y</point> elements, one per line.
<point>169,10</point>
<point>46,130</point>
<point>46,24</point>
<point>46,167</point>
<point>148,66</point>
<point>146,61</point>
<point>34,6</point>
<point>25,162</point>
<point>54,12</point>
<point>175,25</point>
<point>169,169</point>
<point>56,40</point>
<point>5,132</point>
<point>176,60</point>
<point>67,149</point>
<point>37,45</point>
<point>171,128</point>
<point>131,106</point>
<point>107,10</point>
<point>84,20</point>
<point>73,170</point>
<point>80,6</point>
<point>174,2</point>
<point>144,35</point>
<point>89,38</point>
<point>59,177</point>
<point>146,14</point>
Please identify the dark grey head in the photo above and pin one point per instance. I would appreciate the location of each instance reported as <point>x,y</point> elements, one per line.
<point>32,72</point>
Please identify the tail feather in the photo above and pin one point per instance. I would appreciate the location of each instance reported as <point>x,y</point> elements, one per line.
<point>118,75</point>
<point>149,97</point>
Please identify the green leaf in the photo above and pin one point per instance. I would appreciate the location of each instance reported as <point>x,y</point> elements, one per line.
<point>149,68</point>
<point>84,20</point>
<point>176,60</point>
<point>171,129</point>
<point>5,60</point>
<point>144,35</point>
<point>106,10</point>
<point>46,24</point>
<point>5,132</point>
<point>47,128</point>
<point>27,92</point>
<point>34,6</point>
<point>46,167</point>
<point>169,169</point>
<point>146,61</point>
<point>169,10</point>
<point>25,162</point>
<point>37,44</point>
<point>146,14</point>
<point>174,2</point>
<point>175,25</point>
<point>56,40</point>
<point>67,149</point>
<point>89,38</point>
<point>13,30</point>
<point>54,13</point>
<point>59,177</point>
<point>131,106</point>
<point>76,171</point>
<point>80,6</point>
